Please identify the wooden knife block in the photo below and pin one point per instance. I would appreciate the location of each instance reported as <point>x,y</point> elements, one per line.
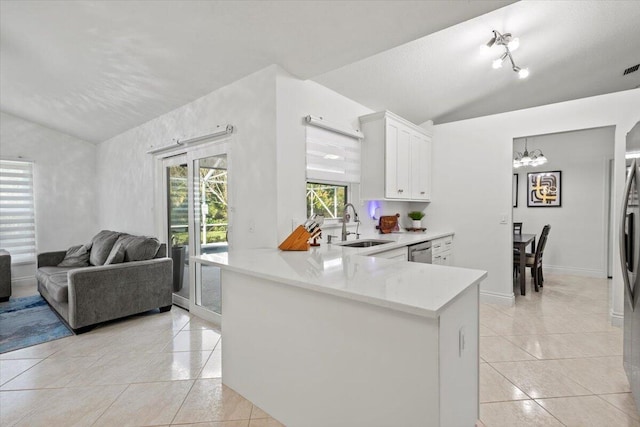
<point>297,241</point>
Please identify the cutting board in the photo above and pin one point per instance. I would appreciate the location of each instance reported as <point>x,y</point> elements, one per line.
<point>389,223</point>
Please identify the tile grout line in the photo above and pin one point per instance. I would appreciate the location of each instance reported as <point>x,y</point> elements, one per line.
<point>110,405</point>
<point>183,400</point>
<point>612,405</point>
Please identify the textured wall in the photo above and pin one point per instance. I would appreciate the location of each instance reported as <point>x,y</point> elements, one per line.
<point>126,177</point>
<point>472,174</point>
<point>64,183</point>
<point>295,100</point>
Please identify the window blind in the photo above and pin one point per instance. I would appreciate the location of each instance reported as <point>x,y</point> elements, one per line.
<point>17,210</point>
<point>332,156</point>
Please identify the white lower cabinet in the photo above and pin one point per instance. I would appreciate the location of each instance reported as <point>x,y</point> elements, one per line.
<point>442,251</point>
<point>400,254</point>
<point>459,360</point>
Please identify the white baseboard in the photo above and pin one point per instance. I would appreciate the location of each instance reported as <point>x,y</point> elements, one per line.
<point>497,298</point>
<point>23,281</point>
<point>573,271</point>
<point>617,319</point>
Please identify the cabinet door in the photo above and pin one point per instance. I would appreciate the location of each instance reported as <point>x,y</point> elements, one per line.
<point>420,167</point>
<point>459,348</point>
<point>397,162</point>
<point>398,253</point>
<point>446,259</point>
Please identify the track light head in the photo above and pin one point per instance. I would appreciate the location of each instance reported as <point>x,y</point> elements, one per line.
<point>510,44</point>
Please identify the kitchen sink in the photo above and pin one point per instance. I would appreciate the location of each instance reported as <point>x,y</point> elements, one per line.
<point>364,243</point>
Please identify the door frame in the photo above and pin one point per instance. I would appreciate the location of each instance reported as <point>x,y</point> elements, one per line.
<point>173,160</point>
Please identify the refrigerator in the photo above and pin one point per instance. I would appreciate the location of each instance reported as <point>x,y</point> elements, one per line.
<point>629,255</point>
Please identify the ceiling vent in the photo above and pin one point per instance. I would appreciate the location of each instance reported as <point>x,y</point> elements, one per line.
<point>631,69</point>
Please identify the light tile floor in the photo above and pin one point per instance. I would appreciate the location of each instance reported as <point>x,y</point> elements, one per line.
<point>148,370</point>
<point>551,360</point>
<point>554,359</point>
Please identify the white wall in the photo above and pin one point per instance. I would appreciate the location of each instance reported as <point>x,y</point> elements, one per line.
<point>296,99</point>
<point>126,172</point>
<point>574,246</point>
<point>472,173</point>
<point>65,184</point>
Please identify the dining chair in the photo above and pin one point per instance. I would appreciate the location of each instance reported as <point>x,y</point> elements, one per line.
<point>534,261</point>
<point>517,228</point>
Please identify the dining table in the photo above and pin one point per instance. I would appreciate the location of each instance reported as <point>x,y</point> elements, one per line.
<point>520,243</point>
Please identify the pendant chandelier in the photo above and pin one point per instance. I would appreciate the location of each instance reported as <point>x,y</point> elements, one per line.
<point>529,158</point>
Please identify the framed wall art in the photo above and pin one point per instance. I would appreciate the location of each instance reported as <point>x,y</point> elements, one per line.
<point>544,189</point>
<point>514,190</point>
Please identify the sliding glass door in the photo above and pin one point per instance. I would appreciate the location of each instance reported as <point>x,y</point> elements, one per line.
<point>196,203</point>
<point>211,226</point>
<point>176,175</point>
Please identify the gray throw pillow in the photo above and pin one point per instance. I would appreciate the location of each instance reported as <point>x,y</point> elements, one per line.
<point>76,256</point>
<point>116,256</point>
<point>140,248</point>
<point>101,246</point>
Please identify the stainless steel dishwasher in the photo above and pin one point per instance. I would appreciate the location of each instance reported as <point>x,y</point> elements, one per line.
<point>420,252</point>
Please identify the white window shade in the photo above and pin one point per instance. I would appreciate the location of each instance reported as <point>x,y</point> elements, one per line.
<point>332,156</point>
<point>17,211</point>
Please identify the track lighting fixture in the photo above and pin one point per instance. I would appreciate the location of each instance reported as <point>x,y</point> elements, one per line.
<point>510,44</point>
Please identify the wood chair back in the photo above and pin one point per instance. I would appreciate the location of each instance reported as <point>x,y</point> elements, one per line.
<point>517,228</point>
<point>537,262</point>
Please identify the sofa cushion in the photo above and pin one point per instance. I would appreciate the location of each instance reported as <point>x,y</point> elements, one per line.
<point>139,248</point>
<point>76,256</point>
<point>116,256</point>
<point>101,246</point>
<point>43,273</point>
<point>57,286</point>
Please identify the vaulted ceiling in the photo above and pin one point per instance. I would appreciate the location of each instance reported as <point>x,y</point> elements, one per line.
<point>94,69</point>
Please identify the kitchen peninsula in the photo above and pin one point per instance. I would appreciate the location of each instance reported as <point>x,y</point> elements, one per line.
<point>334,337</point>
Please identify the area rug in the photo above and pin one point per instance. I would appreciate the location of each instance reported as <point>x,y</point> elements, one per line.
<point>28,321</point>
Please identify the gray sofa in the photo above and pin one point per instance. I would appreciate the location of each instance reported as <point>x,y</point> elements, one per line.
<point>114,276</point>
<point>5,275</point>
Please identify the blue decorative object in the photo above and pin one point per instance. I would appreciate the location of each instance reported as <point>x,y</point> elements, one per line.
<point>28,321</point>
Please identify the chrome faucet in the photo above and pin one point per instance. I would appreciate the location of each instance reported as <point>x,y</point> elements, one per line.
<point>345,219</point>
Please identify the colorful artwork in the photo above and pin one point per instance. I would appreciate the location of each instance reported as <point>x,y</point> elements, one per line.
<point>543,189</point>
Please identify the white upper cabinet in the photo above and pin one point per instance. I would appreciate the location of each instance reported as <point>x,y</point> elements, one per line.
<point>396,159</point>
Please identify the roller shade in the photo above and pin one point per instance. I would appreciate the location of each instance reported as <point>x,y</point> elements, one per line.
<point>17,211</point>
<point>332,156</point>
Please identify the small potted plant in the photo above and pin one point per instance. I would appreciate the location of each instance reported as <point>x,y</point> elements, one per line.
<point>416,216</point>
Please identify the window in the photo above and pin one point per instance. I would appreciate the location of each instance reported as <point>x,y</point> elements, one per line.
<point>326,199</point>
<point>332,157</point>
<point>333,164</point>
<point>17,211</point>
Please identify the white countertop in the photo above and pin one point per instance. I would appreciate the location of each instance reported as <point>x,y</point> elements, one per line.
<point>420,289</point>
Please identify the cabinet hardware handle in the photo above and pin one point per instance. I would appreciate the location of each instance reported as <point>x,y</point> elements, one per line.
<point>422,192</point>
<point>400,190</point>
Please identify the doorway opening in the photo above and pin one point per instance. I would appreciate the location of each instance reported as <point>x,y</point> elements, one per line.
<point>580,240</point>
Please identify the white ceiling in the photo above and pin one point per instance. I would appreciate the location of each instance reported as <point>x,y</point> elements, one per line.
<point>94,69</point>
<point>573,49</point>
